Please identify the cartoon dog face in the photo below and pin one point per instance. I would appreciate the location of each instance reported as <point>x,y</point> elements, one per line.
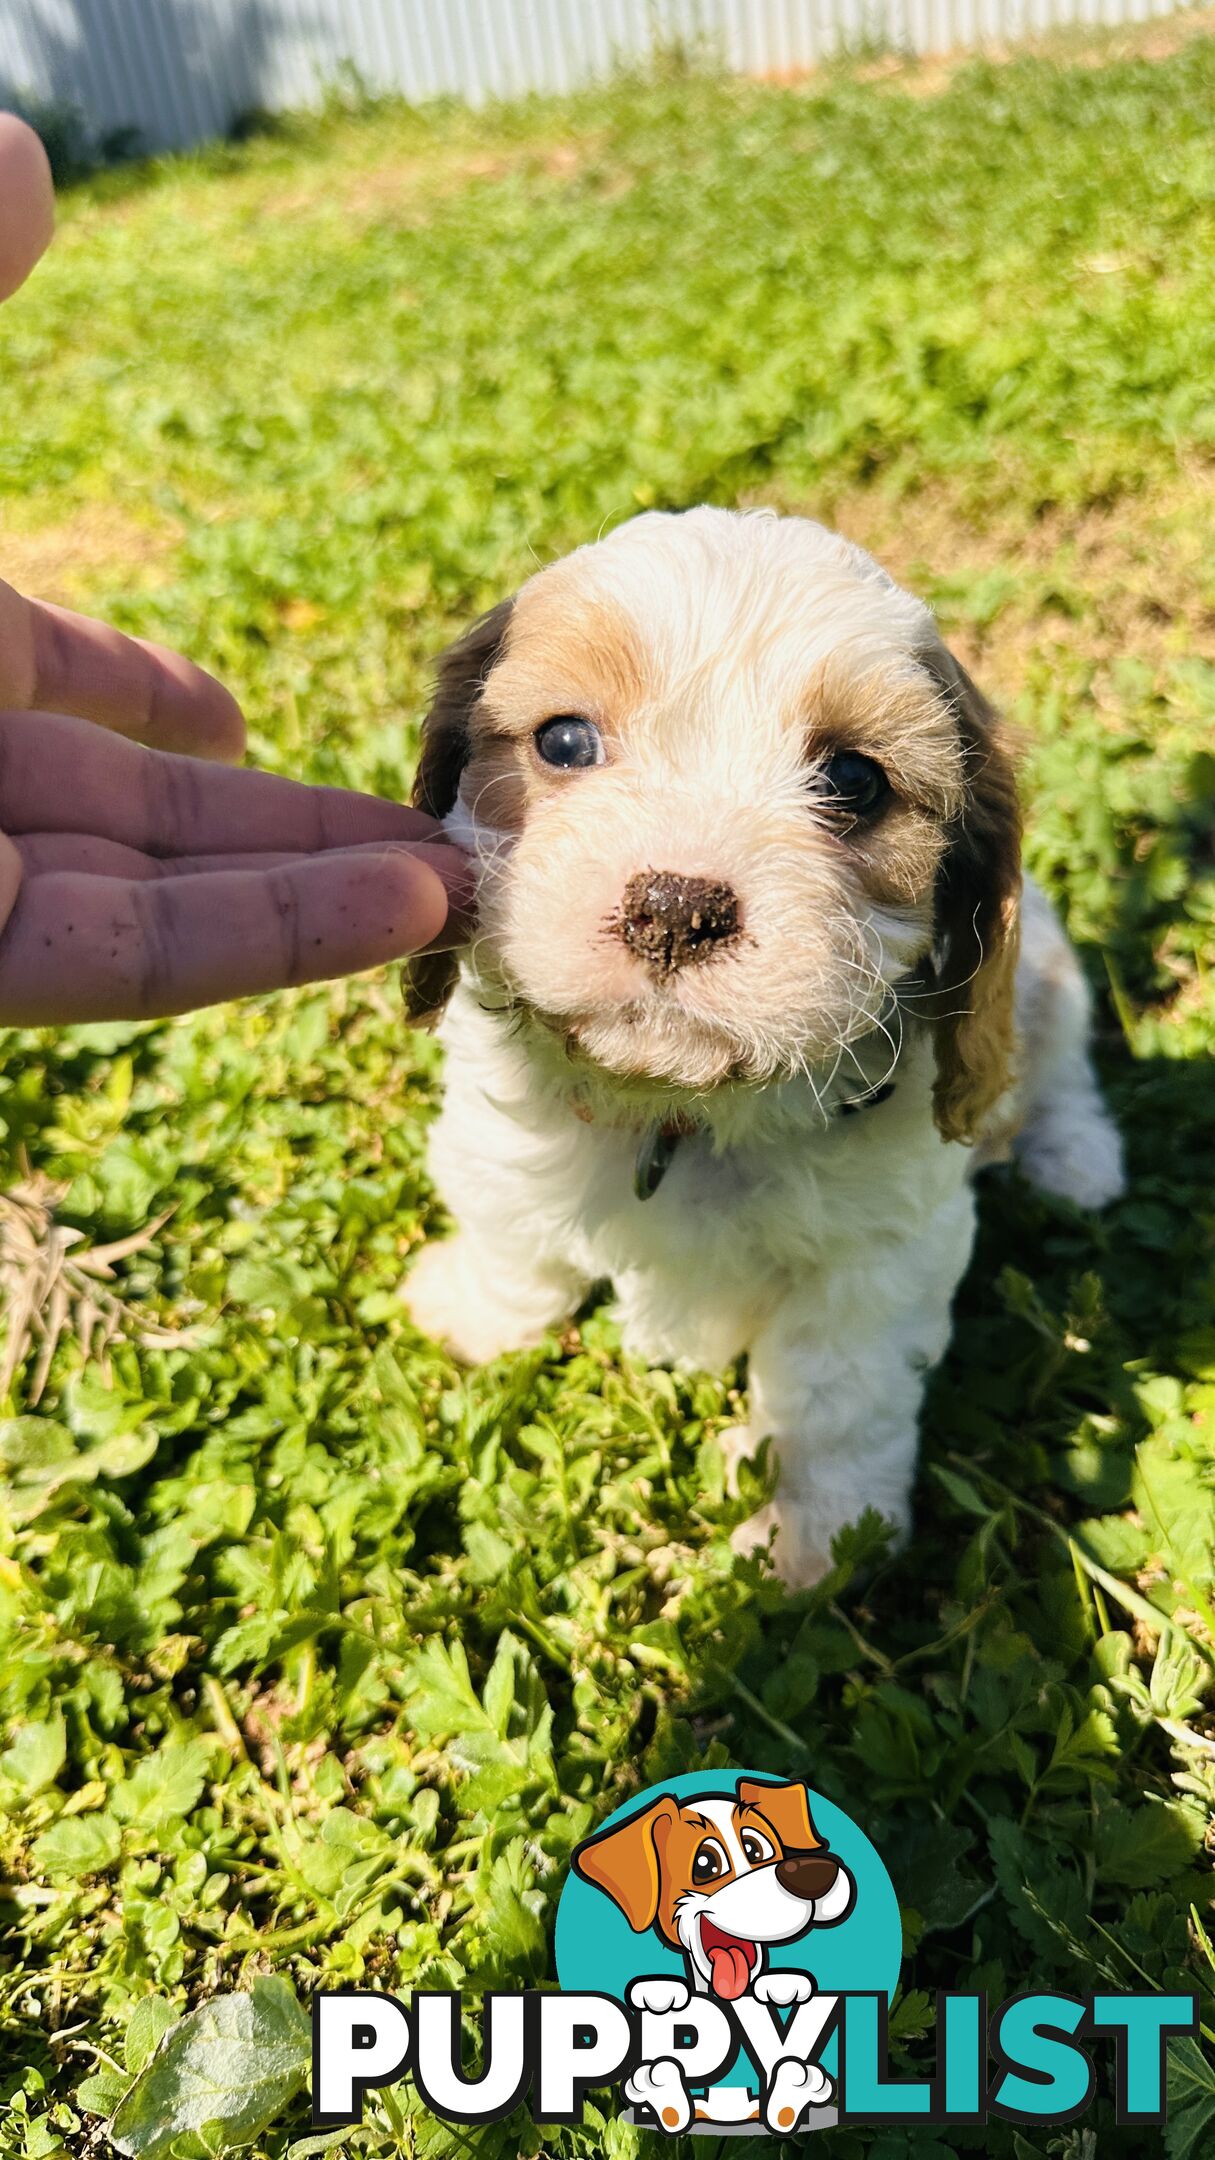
<point>721,1876</point>
<point>726,789</point>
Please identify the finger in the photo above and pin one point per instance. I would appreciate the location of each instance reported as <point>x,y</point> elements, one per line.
<point>93,948</point>
<point>42,853</point>
<point>27,202</point>
<point>176,805</point>
<point>11,870</point>
<point>65,663</point>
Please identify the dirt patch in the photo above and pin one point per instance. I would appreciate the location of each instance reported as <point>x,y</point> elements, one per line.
<point>402,188</point>
<point>927,75</point>
<point>98,548</point>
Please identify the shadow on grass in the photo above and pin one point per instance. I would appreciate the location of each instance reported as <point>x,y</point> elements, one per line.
<point>948,1698</point>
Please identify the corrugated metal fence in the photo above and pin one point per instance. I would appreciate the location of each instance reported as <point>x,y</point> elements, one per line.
<point>182,70</point>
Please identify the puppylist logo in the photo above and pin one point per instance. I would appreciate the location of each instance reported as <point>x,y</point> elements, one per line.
<point>728,1947</point>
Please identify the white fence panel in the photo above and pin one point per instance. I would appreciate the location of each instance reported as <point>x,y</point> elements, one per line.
<point>183,70</point>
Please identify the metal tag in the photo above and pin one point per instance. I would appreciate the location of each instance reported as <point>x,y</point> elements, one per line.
<point>653,1160</point>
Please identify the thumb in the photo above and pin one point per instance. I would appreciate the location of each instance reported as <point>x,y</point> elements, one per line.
<point>27,202</point>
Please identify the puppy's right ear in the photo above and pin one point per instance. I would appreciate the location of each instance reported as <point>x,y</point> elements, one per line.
<point>785,1808</point>
<point>429,979</point>
<point>447,729</point>
<point>977,918</point>
<point>626,1862</point>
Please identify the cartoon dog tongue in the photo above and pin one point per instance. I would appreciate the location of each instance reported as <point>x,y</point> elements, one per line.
<point>730,1969</point>
<point>730,1961</point>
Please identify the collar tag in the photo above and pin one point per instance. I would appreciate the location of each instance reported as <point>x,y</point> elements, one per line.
<point>654,1156</point>
<point>657,1145</point>
<point>852,1103</point>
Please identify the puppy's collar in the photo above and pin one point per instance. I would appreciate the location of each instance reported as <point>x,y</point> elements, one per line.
<point>657,1145</point>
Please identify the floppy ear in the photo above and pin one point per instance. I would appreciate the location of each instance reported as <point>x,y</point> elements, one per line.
<point>974,959</point>
<point>446,730</point>
<point>429,978</point>
<point>787,1808</point>
<point>625,1863</point>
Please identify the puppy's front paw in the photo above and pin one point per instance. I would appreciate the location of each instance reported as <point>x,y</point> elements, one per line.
<point>482,1302</point>
<point>446,1299</point>
<point>783,1988</point>
<point>1075,1152</point>
<point>798,1558</point>
<point>660,2085</point>
<point>738,1444</point>
<point>660,1994</point>
<point>795,2087</point>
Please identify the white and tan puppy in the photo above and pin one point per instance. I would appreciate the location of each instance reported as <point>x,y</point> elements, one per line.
<point>744,1008</point>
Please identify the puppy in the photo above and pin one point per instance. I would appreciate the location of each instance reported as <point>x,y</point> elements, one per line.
<point>756,985</point>
<point>720,1879</point>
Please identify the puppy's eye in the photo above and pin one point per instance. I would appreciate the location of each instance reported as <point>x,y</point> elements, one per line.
<point>757,1847</point>
<point>569,741</point>
<point>853,785</point>
<point>709,1862</point>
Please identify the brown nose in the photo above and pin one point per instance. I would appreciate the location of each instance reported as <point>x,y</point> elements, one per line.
<point>807,1874</point>
<point>671,921</point>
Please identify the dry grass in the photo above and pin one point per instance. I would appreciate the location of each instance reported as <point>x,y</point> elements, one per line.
<point>928,75</point>
<point>100,547</point>
<point>53,1286</point>
<point>1102,583</point>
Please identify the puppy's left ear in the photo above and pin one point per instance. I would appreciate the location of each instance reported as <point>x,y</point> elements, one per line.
<point>787,1808</point>
<point>626,1862</point>
<point>429,979</point>
<point>975,948</point>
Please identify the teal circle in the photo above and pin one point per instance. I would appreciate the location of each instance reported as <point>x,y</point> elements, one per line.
<point>598,1952</point>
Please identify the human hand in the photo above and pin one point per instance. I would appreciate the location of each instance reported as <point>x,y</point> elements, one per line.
<point>134,883</point>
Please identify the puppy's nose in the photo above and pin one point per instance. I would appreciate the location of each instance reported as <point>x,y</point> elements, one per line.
<point>671,921</point>
<point>807,1874</point>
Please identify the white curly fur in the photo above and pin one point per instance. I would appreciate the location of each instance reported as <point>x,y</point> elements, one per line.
<point>825,1247</point>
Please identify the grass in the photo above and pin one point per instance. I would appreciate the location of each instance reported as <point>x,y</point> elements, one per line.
<point>318,1653</point>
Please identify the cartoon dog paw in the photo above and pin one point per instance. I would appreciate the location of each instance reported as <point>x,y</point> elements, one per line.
<point>795,2087</point>
<point>660,2085</point>
<point>661,1996</point>
<point>783,1988</point>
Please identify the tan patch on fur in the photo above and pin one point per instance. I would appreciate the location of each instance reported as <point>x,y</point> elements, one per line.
<point>897,863</point>
<point>896,717</point>
<point>570,652</point>
<point>567,653</point>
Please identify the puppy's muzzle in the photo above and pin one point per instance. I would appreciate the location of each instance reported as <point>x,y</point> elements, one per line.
<point>674,922</point>
<point>807,1875</point>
